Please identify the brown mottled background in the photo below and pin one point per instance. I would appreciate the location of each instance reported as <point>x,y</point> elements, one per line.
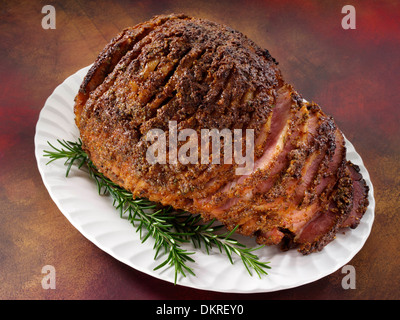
<point>353,74</point>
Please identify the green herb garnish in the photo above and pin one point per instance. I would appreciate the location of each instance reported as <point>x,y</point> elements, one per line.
<point>168,227</point>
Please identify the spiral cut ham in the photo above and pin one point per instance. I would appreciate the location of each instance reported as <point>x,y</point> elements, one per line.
<point>202,75</point>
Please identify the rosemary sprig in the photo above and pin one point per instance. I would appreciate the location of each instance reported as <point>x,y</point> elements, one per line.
<point>168,227</point>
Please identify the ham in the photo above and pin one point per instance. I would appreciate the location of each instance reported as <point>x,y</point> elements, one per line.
<point>200,75</point>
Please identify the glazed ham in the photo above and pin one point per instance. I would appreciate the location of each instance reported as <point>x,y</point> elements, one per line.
<point>201,75</point>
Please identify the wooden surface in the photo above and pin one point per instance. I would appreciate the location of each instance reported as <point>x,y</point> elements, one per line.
<point>352,74</point>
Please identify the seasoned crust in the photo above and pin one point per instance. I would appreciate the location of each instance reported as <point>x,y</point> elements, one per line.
<point>111,55</point>
<point>203,75</point>
<point>360,201</point>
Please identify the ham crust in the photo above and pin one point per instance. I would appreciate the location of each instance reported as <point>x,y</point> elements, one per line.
<point>204,75</point>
